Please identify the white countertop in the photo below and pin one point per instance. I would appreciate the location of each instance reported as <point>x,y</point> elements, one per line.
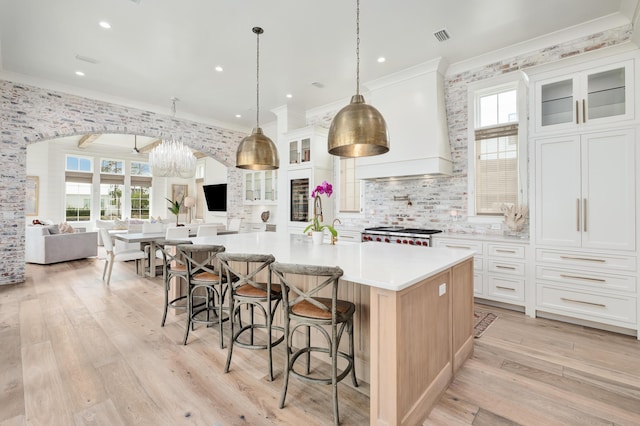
<point>388,266</point>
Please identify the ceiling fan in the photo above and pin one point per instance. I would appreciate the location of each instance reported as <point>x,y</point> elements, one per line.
<point>135,145</point>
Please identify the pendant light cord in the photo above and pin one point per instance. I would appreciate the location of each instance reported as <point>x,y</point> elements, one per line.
<point>258,78</point>
<point>357,47</point>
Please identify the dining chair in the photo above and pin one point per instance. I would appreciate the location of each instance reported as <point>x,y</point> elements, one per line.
<point>207,231</point>
<point>247,288</point>
<point>305,309</point>
<point>114,255</point>
<point>151,228</point>
<point>202,277</point>
<point>177,232</point>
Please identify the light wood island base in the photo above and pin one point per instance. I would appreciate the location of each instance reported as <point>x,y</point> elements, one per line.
<point>419,339</point>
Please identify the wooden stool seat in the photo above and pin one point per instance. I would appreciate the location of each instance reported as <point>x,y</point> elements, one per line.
<point>344,309</point>
<point>248,290</point>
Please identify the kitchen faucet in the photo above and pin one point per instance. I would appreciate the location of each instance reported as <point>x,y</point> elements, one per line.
<point>334,238</point>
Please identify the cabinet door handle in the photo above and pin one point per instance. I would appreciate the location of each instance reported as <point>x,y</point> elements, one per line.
<point>505,251</point>
<point>586,259</point>
<point>584,111</point>
<point>462,247</point>
<point>512,268</point>
<point>583,302</point>
<point>584,214</point>
<point>505,288</point>
<point>578,214</point>
<point>577,277</point>
<point>577,113</point>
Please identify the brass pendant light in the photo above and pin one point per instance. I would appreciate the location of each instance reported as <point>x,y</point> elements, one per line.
<point>358,130</point>
<point>257,151</point>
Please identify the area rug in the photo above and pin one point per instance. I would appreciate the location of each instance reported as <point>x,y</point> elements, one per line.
<point>482,321</point>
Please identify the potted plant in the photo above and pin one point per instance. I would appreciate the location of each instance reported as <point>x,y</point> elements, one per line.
<point>316,227</point>
<point>174,207</point>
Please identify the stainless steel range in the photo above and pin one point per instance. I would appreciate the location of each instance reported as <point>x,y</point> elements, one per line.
<point>399,235</point>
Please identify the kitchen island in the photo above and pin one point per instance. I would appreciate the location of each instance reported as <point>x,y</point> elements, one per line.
<point>415,313</point>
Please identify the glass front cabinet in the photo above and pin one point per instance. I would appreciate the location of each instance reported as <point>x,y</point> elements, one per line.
<point>599,95</point>
<point>261,187</point>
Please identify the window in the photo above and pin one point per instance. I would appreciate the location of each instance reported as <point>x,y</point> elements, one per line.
<point>111,201</point>
<point>495,151</point>
<point>78,164</point>
<point>78,188</point>
<point>77,201</point>
<point>140,202</point>
<point>349,187</point>
<point>114,167</point>
<point>140,190</point>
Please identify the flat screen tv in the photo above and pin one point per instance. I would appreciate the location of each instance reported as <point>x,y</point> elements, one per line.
<point>216,196</point>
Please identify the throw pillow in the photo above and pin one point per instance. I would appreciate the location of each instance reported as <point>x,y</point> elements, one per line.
<point>53,229</point>
<point>120,224</point>
<point>65,228</point>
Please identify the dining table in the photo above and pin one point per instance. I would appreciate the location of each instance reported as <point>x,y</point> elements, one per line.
<point>150,238</point>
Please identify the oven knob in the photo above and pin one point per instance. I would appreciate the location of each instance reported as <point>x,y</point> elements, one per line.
<point>410,242</point>
<point>386,240</point>
<point>398,241</point>
<point>378,239</point>
<point>404,241</point>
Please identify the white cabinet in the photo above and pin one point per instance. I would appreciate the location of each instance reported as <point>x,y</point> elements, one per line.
<point>592,286</point>
<point>260,187</point>
<point>307,147</point>
<point>585,190</point>
<point>499,268</point>
<point>585,96</point>
<point>309,163</point>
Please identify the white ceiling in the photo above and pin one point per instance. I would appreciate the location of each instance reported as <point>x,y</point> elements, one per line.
<point>158,49</point>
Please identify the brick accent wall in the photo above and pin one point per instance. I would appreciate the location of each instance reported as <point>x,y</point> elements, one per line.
<point>434,198</point>
<point>30,114</point>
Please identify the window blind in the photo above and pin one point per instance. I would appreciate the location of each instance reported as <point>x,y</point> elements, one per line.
<point>143,181</point>
<point>78,177</point>
<point>110,179</point>
<point>496,168</point>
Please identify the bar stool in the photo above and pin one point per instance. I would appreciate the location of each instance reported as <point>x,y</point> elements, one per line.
<point>246,290</point>
<point>201,274</point>
<point>173,266</point>
<point>306,309</point>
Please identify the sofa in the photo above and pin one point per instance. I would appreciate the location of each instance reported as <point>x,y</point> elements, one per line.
<point>45,244</point>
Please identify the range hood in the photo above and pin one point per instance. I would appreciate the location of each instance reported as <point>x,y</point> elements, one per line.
<point>412,104</point>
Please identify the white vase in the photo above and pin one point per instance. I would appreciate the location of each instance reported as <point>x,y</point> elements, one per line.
<point>317,236</point>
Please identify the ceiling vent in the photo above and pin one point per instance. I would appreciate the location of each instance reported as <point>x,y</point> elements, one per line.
<point>442,35</point>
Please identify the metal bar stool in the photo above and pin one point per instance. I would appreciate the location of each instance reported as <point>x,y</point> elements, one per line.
<point>246,290</point>
<point>306,309</point>
<point>173,266</point>
<point>201,274</point>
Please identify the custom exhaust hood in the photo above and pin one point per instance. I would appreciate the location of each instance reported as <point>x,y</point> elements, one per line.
<point>412,103</point>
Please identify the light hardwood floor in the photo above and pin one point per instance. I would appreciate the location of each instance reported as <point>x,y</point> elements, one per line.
<point>74,351</point>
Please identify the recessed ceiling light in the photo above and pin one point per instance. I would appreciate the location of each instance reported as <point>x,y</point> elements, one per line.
<point>219,68</point>
<point>382,59</point>
<point>238,116</point>
<point>289,95</point>
<point>80,73</point>
<point>105,25</point>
